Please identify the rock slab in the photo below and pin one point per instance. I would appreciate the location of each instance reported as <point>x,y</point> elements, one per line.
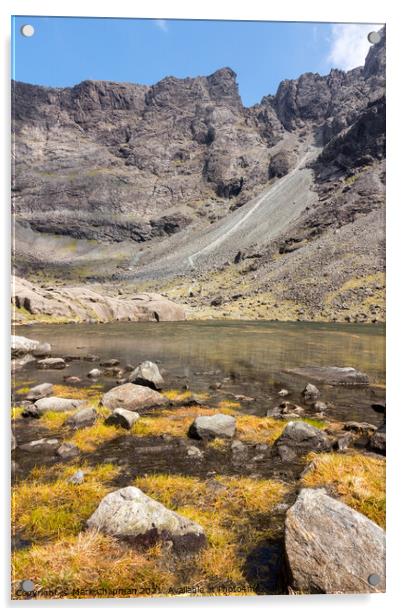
<point>147,373</point>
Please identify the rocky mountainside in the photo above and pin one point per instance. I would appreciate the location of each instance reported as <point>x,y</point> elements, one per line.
<point>110,177</point>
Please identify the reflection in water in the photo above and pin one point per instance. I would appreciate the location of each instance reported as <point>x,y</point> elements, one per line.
<point>246,357</point>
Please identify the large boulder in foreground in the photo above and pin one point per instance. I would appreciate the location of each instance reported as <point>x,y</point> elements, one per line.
<point>131,515</point>
<point>133,398</point>
<point>147,373</point>
<point>214,426</point>
<point>332,375</point>
<point>300,437</point>
<point>330,548</point>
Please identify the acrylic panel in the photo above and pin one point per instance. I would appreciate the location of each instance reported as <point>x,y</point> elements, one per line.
<point>198,356</point>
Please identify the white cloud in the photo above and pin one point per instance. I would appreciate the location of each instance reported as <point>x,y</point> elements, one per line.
<point>161,24</point>
<point>349,45</point>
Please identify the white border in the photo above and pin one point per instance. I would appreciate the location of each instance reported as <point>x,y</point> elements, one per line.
<point>293,10</point>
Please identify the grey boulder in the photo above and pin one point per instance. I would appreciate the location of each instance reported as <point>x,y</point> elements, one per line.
<point>39,391</point>
<point>82,418</point>
<point>21,345</point>
<point>310,392</point>
<point>123,418</point>
<point>300,437</point>
<point>57,404</point>
<point>378,441</point>
<point>95,373</point>
<point>147,373</point>
<point>131,515</point>
<point>214,426</point>
<point>330,548</point>
<point>133,398</point>
<point>52,363</point>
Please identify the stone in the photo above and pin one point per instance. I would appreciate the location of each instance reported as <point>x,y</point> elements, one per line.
<point>43,444</point>
<point>78,478</point>
<point>133,398</point>
<point>95,373</point>
<point>43,349</point>
<point>344,442</point>
<point>20,362</point>
<point>72,380</point>
<point>91,357</point>
<point>320,407</point>
<point>57,404</point>
<point>51,363</point>
<point>330,548</point>
<point>109,363</point>
<point>238,447</point>
<point>378,441</point>
<point>360,427</point>
<point>299,437</point>
<point>83,417</point>
<point>286,409</point>
<point>379,407</point>
<point>194,452</point>
<point>122,417</point>
<point>310,392</point>
<point>131,515</point>
<point>332,375</point>
<point>147,373</point>
<point>213,426</point>
<point>40,391</point>
<point>13,441</point>
<point>22,346</point>
<point>67,451</point>
<point>283,393</point>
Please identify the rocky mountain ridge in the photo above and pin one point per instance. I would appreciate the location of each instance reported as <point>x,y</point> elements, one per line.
<point>108,177</point>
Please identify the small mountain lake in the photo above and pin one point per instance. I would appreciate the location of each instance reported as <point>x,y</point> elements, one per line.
<point>228,358</point>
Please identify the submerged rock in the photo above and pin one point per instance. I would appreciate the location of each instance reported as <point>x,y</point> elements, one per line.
<point>131,515</point>
<point>332,375</point>
<point>122,417</point>
<point>331,548</point>
<point>109,363</point>
<point>300,437</point>
<point>147,373</point>
<point>214,426</point>
<point>133,398</point>
<point>40,391</point>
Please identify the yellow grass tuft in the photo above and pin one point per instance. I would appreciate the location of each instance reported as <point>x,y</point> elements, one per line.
<point>53,509</point>
<point>91,565</point>
<point>54,420</point>
<point>89,438</point>
<point>358,479</point>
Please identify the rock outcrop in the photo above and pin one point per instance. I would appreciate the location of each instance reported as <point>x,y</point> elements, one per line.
<point>84,304</point>
<point>331,548</point>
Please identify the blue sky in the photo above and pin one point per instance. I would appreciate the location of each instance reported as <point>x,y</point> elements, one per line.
<point>64,51</point>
